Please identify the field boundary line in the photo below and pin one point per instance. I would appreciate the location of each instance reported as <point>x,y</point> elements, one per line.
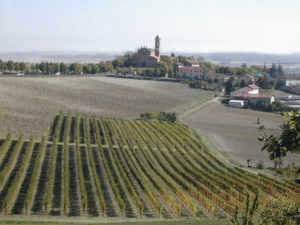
<point>184,109</point>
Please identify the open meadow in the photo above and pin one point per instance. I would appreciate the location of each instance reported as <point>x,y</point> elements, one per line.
<point>235,131</point>
<point>27,105</point>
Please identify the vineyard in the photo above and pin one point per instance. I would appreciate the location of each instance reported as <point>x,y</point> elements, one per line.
<point>124,168</point>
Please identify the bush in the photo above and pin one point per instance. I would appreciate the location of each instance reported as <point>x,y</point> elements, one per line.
<point>202,84</point>
<point>260,165</point>
<point>274,107</point>
<point>162,116</point>
<point>280,212</point>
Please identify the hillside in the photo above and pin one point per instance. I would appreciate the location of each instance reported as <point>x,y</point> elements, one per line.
<point>88,166</point>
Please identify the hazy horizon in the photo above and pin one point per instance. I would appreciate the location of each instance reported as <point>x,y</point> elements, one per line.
<point>117,26</point>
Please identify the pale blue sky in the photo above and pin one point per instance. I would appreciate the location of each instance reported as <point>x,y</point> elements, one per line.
<point>121,25</point>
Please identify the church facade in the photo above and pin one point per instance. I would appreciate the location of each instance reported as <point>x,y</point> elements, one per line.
<point>147,57</point>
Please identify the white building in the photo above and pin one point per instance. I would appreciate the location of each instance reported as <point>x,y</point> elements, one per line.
<point>236,103</point>
<point>190,72</point>
<point>250,89</point>
<point>253,99</point>
<point>289,80</point>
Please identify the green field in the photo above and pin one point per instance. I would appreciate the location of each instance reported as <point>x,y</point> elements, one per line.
<point>102,168</point>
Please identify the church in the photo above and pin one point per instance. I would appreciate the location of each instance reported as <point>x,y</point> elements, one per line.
<point>147,57</point>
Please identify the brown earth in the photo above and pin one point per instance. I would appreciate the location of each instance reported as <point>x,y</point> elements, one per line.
<point>27,105</point>
<point>235,131</point>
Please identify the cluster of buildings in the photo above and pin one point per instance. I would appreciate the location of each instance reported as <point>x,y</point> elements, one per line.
<point>150,58</point>
<point>290,83</point>
<point>249,95</point>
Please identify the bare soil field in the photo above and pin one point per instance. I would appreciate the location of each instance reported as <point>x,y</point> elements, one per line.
<point>235,131</point>
<point>27,105</point>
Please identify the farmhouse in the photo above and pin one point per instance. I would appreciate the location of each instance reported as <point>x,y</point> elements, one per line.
<point>253,99</point>
<point>250,89</point>
<point>147,57</point>
<point>250,95</point>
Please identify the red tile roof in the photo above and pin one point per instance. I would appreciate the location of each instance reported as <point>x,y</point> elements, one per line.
<point>253,86</point>
<point>248,88</point>
<point>247,95</point>
<point>190,68</point>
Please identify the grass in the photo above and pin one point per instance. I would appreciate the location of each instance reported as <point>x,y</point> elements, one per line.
<point>110,222</point>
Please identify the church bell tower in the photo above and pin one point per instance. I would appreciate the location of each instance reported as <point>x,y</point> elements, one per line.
<point>157,46</point>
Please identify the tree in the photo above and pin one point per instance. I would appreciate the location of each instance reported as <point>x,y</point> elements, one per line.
<point>22,66</point>
<point>172,55</point>
<point>280,70</point>
<point>10,65</point>
<point>63,68</point>
<point>229,86</point>
<point>243,83</point>
<point>288,141</point>
<point>75,68</point>
<point>1,65</point>
<point>273,70</point>
<point>263,83</point>
<point>244,65</point>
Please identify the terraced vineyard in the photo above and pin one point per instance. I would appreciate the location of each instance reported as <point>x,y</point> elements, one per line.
<point>120,168</point>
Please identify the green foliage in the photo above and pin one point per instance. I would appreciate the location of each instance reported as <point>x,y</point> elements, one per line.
<point>273,107</point>
<point>75,68</point>
<point>162,116</point>
<point>115,188</point>
<point>51,178</point>
<point>93,166</point>
<point>5,172</point>
<point>17,182</point>
<point>202,84</point>
<point>289,139</point>
<point>248,216</point>
<point>208,66</point>
<point>263,82</point>
<point>35,176</point>
<point>155,165</point>
<point>4,147</point>
<point>229,86</point>
<point>83,194</point>
<point>66,202</point>
<point>281,212</point>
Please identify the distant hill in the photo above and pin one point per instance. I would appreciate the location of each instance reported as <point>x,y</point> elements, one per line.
<point>66,57</point>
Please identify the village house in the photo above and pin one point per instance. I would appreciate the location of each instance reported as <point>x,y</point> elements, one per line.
<point>212,77</point>
<point>290,83</point>
<point>249,95</point>
<point>250,89</point>
<point>289,80</point>
<point>190,72</point>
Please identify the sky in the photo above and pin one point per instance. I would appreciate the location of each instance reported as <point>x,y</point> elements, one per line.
<point>268,26</point>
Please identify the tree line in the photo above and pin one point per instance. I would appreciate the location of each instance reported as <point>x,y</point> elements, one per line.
<point>122,65</point>
<point>53,67</point>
